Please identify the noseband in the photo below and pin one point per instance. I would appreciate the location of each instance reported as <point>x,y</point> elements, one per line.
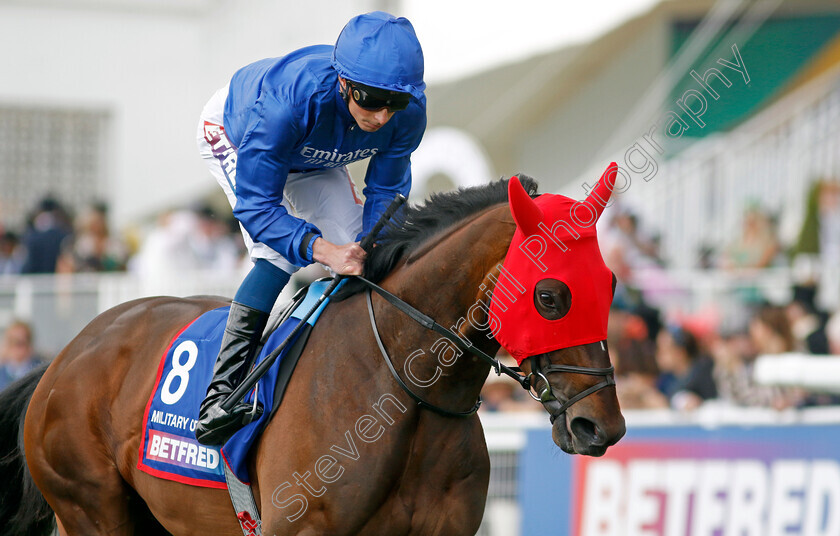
<point>537,372</point>
<point>547,395</point>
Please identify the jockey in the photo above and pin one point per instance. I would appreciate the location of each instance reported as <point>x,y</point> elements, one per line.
<point>278,139</point>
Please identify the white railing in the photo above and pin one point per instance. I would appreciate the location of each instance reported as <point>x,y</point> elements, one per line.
<point>59,306</point>
<point>819,373</point>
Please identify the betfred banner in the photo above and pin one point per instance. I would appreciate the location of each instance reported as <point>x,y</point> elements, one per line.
<point>688,481</point>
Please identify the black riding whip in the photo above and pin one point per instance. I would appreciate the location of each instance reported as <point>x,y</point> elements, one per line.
<point>251,380</point>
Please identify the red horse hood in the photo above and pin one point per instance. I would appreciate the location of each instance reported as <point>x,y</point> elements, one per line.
<point>556,239</point>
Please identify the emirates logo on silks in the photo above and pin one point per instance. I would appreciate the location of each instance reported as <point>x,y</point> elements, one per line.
<point>554,252</point>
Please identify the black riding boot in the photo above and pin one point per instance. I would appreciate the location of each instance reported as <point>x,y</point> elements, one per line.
<point>236,357</point>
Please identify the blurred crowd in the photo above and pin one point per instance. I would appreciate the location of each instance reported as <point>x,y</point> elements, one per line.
<point>683,364</point>
<point>677,359</point>
<point>54,240</point>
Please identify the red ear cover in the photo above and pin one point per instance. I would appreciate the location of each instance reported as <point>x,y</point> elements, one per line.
<point>599,197</point>
<point>526,213</point>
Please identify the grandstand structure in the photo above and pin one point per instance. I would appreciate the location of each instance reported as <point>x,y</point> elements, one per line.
<point>563,115</point>
<point>708,107</point>
<point>772,158</point>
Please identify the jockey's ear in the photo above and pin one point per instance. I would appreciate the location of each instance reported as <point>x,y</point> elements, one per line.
<point>526,213</point>
<point>599,197</point>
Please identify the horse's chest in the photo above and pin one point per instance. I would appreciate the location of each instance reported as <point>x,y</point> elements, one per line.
<point>442,490</point>
<point>438,507</point>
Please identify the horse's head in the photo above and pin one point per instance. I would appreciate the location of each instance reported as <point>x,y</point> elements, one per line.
<point>557,328</point>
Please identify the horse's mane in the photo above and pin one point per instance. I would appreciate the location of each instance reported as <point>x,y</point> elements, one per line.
<point>414,224</point>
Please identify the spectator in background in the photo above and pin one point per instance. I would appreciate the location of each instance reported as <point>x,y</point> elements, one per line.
<point>637,389</point>
<point>832,332</point>
<point>806,323</point>
<point>92,248</point>
<point>626,248</point>
<point>17,356</point>
<point>633,255</point>
<point>770,333</point>
<point>46,231</point>
<point>734,355</point>
<point>633,353</point>
<point>757,247</point>
<point>818,244</point>
<point>808,242</point>
<point>214,246</point>
<point>685,374</point>
<point>184,241</point>
<point>820,232</point>
<point>11,254</point>
<point>829,207</point>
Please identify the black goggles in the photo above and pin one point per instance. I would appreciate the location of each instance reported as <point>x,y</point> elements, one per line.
<point>373,99</point>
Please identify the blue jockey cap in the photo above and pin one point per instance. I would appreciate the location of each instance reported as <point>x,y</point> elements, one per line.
<point>379,50</point>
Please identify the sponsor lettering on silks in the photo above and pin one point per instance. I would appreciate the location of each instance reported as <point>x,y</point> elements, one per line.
<point>332,159</point>
<point>181,451</point>
<point>222,149</point>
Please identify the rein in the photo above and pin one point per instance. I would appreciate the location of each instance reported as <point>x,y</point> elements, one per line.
<point>422,403</point>
<point>545,395</point>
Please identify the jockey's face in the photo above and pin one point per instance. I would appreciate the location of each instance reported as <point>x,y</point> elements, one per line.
<point>368,120</point>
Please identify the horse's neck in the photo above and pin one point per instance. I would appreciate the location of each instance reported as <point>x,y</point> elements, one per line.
<point>444,283</point>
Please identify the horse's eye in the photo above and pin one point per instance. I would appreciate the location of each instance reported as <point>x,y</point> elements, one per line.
<point>547,300</point>
<point>552,299</point>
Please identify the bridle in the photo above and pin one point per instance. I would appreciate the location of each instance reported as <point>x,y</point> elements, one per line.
<point>537,371</point>
<point>547,395</point>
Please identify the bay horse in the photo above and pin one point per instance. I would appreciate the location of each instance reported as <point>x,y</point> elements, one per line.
<point>348,452</point>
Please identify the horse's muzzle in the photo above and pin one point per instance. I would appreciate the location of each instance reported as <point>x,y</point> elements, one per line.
<point>584,436</point>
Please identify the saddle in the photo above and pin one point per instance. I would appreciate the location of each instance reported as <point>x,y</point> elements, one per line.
<point>169,449</point>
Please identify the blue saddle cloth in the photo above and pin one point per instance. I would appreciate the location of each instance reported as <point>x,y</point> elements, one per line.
<point>169,449</point>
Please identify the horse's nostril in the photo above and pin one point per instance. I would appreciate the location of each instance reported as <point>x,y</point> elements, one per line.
<point>587,432</point>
